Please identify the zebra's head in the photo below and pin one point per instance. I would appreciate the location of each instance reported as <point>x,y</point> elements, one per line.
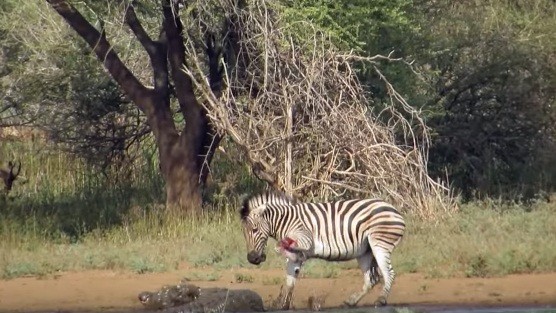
<point>256,226</point>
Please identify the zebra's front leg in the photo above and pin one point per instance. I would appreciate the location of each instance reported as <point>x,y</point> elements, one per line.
<point>369,267</point>
<point>285,298</point>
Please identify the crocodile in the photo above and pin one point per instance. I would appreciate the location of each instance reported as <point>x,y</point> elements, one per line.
<point>170,296</point>
<point>188,298</point>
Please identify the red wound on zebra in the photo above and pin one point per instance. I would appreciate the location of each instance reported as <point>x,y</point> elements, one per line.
<point>287,243</point>
<point>286,247</point>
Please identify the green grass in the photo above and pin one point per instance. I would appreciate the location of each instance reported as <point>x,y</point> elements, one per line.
<point>60,197</point>
<point>203,276</point>
<point>475,242</point>
<point>483,239</point>
<point>66,217</point>
<point>272,281</point>
<point>243,278</point>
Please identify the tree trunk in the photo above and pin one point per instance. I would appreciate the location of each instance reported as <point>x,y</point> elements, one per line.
<point>181,173</point>
<point>184,157</point>
<point>184,162</point>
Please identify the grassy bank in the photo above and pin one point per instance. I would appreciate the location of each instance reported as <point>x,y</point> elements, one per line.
<point>475,242</point>
<point>483,239</point>
<point>64,216</point>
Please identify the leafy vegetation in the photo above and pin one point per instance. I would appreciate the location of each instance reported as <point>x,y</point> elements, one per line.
<point>492,70</point>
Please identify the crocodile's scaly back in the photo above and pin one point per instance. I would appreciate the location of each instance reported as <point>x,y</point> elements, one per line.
<point>170,296</point>
<point>188,298</point>
<point>218,300</point>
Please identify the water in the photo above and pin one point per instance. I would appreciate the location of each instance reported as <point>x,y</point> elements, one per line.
<point>434,309</point>
<point>492,310</point>
<point>413,309</point>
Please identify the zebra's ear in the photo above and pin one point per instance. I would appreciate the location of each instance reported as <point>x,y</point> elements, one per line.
<point>250,207</point>
<point>244,211</point>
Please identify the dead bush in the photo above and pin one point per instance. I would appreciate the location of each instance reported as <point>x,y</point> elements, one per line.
<point>306,124</point>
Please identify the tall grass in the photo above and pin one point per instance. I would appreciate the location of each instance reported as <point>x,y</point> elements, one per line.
<point>65,216</point>
<point>482,239</point>
<point>58,195</point>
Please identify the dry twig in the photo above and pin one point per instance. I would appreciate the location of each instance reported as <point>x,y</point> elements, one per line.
<point>308,127</point>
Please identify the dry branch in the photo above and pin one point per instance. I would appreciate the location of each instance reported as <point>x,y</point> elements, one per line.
<point>306,124</point>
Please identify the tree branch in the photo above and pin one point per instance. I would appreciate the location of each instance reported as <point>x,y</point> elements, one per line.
<point>103,50</point>
<point>214,53</point>
<point>198,133</point>
<point>173,29</point>
<point>133,22</point>
<point>155,49</point>
<point>216,82</point>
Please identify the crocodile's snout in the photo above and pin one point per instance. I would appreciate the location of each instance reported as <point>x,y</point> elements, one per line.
<point>144,297</point>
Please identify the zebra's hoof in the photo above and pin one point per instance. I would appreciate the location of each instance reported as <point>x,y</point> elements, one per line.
<point>349,304</point>
<point>380,301</point>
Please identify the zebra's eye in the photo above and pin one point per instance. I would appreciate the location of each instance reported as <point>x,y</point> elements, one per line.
<point>254,230</point>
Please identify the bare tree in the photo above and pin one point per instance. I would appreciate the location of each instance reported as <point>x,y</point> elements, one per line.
<point>307,125</point>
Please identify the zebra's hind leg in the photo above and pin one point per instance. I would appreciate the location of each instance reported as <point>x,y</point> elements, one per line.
<point>382,256</point>
<point>368,265</point>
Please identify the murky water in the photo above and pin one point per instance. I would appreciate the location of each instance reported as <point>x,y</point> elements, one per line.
<point>436,309</point>
<point>412,309</point>
<point>491,310</point>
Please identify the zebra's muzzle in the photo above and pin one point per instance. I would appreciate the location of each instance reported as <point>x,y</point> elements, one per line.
<point>255,258</point>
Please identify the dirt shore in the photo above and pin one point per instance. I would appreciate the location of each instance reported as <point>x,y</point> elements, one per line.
<point>115,291</point>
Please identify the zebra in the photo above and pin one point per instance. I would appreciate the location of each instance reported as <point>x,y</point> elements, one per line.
<point>364,229</point>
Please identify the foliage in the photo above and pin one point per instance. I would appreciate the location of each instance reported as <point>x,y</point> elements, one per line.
<point>230,177</point>
<point>367,28</point>
<point>10,109</point>
<point>492,108</point>
<point>482,73</point>
<point>360,25</point>
<point>45,70</point>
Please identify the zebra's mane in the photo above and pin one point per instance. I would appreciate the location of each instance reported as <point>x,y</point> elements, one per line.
<point>256,204</point>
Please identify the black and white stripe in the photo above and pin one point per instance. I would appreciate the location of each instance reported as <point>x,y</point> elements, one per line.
<point>365,229</point>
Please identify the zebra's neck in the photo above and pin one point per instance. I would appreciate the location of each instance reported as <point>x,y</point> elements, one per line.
<point>285,221</point>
